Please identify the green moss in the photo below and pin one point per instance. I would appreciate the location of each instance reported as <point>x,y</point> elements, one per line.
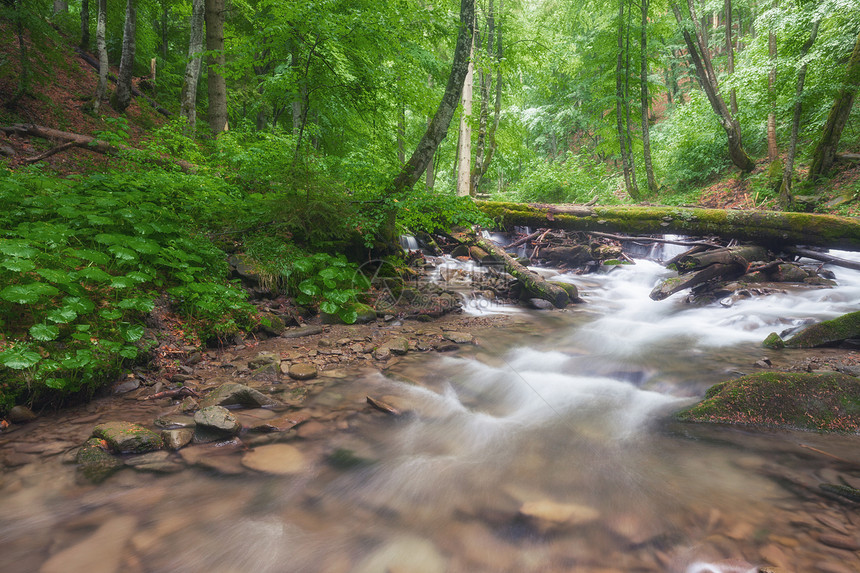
<point>773,341</point>
<point>827,332</point>
<point>812,401</point>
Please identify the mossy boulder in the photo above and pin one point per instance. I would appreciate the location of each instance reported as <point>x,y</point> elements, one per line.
<point>127,438</point>
<point>827,401</point>
<point>773,341</point>
<point>828,332</point>
<point>570,289</point>
<point>95,463</point>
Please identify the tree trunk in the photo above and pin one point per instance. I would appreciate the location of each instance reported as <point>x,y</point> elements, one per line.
<point>768,228</point>
<point>101,46</point>
<point>122,95</point>
<point>193,66</point>
<point>825,151</point>
<point>401,134</point>
<point>772,149</point>
<point>61,6</point>
<point>485,80</point>
<point>708,81</point>
<point>788,171</point>
<point>217,85</point>
<point>646,128</point>
<point>464,149</point>
<point>24,58</point>
<point>438,128</point>
<point>627,166</point>
<point>491,145</point>
<point>730,56</point>
<point>85,24</point>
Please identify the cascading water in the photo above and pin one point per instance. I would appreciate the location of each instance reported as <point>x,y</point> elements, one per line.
<point>543,448</point>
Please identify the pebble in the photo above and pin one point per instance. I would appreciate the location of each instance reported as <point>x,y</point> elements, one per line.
<point>848,542</point>
<point>303,371</point>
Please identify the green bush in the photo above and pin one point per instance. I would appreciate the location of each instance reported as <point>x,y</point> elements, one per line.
<point>575,180</point>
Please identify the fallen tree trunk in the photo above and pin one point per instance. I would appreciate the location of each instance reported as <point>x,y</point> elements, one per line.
<point>91,143</point>
<point>530,280</point>
<point>676,284</point>
<point>741,256</point>
<point>824,257</point>
<point>768,228</point>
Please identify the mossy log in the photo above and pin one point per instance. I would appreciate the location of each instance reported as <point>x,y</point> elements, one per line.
<point>531,281</point>
<point>676,284</point>
<point>768,228</point>
<point>742,256</point>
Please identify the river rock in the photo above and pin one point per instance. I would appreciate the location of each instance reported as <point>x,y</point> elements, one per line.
<point>382,353</point>
<point>848,542</point>
<point>280,459</point>
<point>233,394</point>
<point>303,371</point>
<point>101,552</point>
<point>20,414</point>
<point>398,345</point>
<point>176,439</point>
<point>548,514</point>
<point>174,421</point>
<point>264,359</point>
<point>406,553</point>
<point>222,458</point>
<point>272,324</point>
<point>301,331</point>
<point>94,462</point>
<point>215,423</point>
<point>125,437</point>
<point>827,332</point>
<point>155,462</point>
<point>459,337</point>
<point>364,313</point>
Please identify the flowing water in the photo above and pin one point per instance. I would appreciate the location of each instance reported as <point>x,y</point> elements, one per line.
<point>548,447</point>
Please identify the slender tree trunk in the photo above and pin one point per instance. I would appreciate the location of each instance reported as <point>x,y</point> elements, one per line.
<point>494,31</point>
<point>430,171</point>
<point>122,95</point>
<point>730,56</point>
<point>621,104</point>
<point>438,127</point>
<point>193,66</point>
<point>627,120</point>
<point>772,149</point>
<point>101,46</point>
<point>401,134</point>
<point>217,85</point>
<point>483,117</point>
<point>788,171</point>
<point>61,6</point>
<point>708,81</point>
<point>24,57</point>
<point>825,151</point>
<point>643,76</point>
<point>85,25</point>
<point>464,149</point>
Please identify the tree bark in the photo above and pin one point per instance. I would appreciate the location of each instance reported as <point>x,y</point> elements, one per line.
<point>85,24</point>
<point>788,170</point>
<point>438,128</point>
<point>646,128</point>
<point>768,228</point>
<point>217,85</point>
<point>485,81</point>
<point>464,149</point>
<point>730,56</point>
<point>772,149</point>
<point>497,106</point>
<point>101,46</point>
<point>708,81</point>
<point>61,6</point>
<point>627,166</point>
<point>825,151</point>
<point>122,95</point>
<point>188,108</point>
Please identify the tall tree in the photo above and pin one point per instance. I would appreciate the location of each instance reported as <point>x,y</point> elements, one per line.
<point>622,103</point>
<point>61,6</point>
<point>825,150</point>
<point>708,81</point>
<point>464,145</point>
<point>487,145</point>
<point>85,25</point>
<point>645,100</point>
<point>215,64</point>
<point>101,46</point>
<point>788,169</point>
<point>122,95</point>
<point>730,55</point>
<point>193,66</point>
<point>772,149</point>
<point>438,128</point>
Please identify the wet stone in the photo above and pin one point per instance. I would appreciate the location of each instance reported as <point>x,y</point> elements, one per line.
<point>101,552</point>
<point>264,359</point>
<point>215,423</point>
<point>95,463</point>
<point>303,371</point>
<point>549,514</point>
<point>155,462</point>
<point>846,542</point>
<point>398,345</point>
<point>174,421</point>
<point>459,337</point>
<point>382,353</point>
<point>280,459</point>
<point>176,439</point>
<point>20,414</point>
<point>125,437</point>
<point>406,553</point>
<point>233,394</point>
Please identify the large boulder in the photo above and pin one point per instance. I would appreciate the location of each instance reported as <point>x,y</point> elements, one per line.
<point>127,438</point>
<point>233,394</point>
<point>828,332</point>
<point>806,400</point>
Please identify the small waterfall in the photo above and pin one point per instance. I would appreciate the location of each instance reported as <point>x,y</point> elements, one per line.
<point>409,243</point>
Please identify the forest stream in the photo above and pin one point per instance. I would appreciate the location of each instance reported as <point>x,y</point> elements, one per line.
<point>547,446</point>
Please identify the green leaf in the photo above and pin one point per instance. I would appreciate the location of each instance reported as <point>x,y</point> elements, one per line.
<point>139,304</point>
<point>21,294</point>
<point>94,274</point>
<point>19,265</point>
<point>62,315</point>
<point>111,239</point>
<point>92,256</point>
<point>99,220</point>
<point>122,282</point>
<point>79,305</point>
<point>348,315</point>
<point>111,314</point>
<point>328,307</point>
<point>129,352</point>
<point>123,253</point>
<point>44,332</point>
<point>18,249</point>
<point>56,383</point>
<point>131,333</point>
<point>19,360</point>
<point>145,246</point>
<point>138,276</point>
<point>55,276</point>
<point>309,288</point>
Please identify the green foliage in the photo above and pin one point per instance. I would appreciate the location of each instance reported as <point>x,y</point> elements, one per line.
<point>431,212</point>
<point>76,283</point>
<point>576,180</point>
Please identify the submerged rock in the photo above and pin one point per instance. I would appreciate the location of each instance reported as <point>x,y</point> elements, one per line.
<point>101,552</point>
<point>813,401</point>
<point>155,462</point>
<point>548,514</point>
<point>94,462</point>
<point>280,459</point>
<point>303,371</point>
<point>233,394</point>
<point>125,437</point>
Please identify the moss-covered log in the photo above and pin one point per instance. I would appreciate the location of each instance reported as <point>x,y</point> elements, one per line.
<point>813,401</point>
<point>769,228</point>
<point>676,284</point>
<point>741,256</point>
<point>531,281</point>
